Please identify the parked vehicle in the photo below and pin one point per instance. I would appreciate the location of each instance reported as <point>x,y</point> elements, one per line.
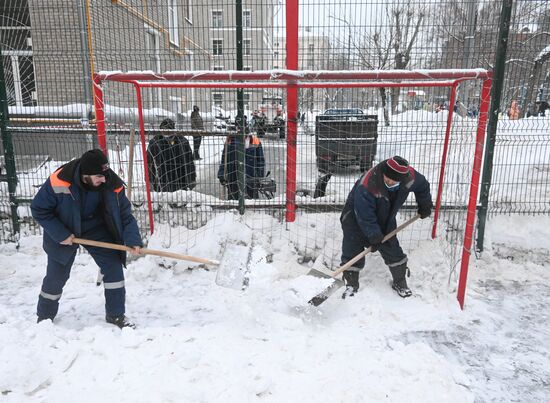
<point>270,117</point>
<point>345,137</point>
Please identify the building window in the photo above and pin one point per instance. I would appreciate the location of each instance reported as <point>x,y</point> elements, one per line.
<point>311,47</point>
<point>217,68</point>
<point>152,44</point>
<point>247,18</point>
<point>19,71</point>
<point>217,99</point>
<point>247,68</point>
<point>217,47</point>
<point>246,47</point>
<point>153,49</point>
<point>186,6</point>
<point>275,66</point>
<point>173,21</point>
<point>217,19</point>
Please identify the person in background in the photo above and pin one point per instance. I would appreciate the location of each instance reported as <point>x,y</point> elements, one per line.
<point>370,213</point>
<point>513,112</point>
<point>254,165</point>
<point>196,124</point>
<point>85,198</point>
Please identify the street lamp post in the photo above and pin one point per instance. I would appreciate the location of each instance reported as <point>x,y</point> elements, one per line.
<point>349,49</point>
<point>349,37</point>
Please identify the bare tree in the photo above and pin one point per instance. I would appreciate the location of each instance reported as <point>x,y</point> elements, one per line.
<point>390,46</point>
<point>407,19</point>
<point>338,61</point>
<point>374,53</point>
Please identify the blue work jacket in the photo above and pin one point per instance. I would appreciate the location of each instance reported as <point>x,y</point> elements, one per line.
<point>57,208</point>
<point>369,201</point>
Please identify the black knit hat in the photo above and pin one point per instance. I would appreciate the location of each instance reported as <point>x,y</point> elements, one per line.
<point>396,168</point>
<point>94,162</point>
<point>167,124</point>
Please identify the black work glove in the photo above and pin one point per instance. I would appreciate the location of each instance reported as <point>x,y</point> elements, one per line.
<point>223,182</point>
<point>425,210</point>
<point>376,242</point>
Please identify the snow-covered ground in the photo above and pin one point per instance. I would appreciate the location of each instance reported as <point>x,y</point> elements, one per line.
<point>199,342</point>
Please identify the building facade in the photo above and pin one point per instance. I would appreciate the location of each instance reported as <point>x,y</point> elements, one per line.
<point>67,41</point>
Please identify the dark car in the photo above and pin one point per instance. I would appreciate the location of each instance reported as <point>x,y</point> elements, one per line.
<point>344,137</point>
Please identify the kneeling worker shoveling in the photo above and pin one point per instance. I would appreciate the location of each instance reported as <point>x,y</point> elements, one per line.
<point>369,221</point>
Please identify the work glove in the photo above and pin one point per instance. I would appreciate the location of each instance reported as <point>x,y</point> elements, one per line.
<point>375,242</point>
<point>223,182</point>
<point>425,210</point>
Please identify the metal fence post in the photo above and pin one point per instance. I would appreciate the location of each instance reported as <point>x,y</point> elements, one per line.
<point>86,62</point>
<point>9,157</point>
<point>240,122</point>
<point>498,81</point>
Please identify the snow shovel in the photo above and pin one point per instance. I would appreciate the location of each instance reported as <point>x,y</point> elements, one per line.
<point>145,251</point>
<point>235,266</point>
<point>331,289</point>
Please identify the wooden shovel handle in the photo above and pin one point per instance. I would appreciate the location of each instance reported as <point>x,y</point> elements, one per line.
<point>145,251</point>
<point>348,264</point>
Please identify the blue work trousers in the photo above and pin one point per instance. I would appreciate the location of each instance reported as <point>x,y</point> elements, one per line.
<point>355,242</point>
<point>57,274</point>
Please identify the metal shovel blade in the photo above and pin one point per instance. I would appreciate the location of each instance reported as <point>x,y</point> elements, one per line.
<point>233,269</point>
<point>327,292</point>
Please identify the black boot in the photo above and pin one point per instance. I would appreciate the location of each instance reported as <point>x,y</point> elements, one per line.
<point>351,279</point>
<point>400,281</point>
<point>196,155</point>
<point>120,321</point>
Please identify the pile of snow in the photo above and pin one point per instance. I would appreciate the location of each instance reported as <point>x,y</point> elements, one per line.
<point>197,341</point>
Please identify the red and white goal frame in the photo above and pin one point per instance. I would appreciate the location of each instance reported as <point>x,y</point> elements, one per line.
<point>292,81</point>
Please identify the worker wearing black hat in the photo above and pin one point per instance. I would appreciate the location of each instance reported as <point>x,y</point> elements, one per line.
<point>370,213</point>
<point>85,198</point>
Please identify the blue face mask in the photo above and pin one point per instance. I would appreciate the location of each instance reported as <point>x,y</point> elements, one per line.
<point>392,188</point>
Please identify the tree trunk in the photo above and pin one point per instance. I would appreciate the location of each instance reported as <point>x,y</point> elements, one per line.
<point>531,96</point>
<point>383,95</point>
<point>401,62</point>
<point>394,93</point>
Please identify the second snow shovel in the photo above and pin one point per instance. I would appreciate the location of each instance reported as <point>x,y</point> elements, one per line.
<point>331,289</point>
<point>235,266</point>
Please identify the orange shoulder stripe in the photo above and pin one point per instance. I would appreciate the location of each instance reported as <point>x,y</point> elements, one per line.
<point>56,182</point>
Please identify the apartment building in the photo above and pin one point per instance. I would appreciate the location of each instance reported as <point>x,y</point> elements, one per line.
<point>314,54</point>
<point>66,41</point>
<point>218,23</point>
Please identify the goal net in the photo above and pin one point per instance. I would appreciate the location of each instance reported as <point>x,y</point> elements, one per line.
<point>241,146</point>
